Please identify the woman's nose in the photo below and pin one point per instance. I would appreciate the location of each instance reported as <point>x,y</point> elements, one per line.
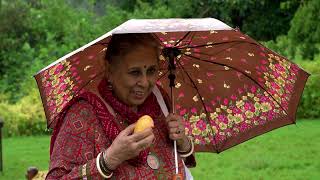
<point>144,81</point>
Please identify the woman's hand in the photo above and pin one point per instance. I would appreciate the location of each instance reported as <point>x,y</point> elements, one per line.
<point>127,145</point>
<point>177,131</point>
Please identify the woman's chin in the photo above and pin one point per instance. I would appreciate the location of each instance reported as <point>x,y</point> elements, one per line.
<point>137,101</point>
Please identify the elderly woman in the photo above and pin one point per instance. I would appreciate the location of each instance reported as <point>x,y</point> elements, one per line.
<point>94,139</point>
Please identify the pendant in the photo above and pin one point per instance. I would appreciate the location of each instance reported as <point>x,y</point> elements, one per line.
<point>153,161</point>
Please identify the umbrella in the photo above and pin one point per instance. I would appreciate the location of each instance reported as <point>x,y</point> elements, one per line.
<point>228,87</point>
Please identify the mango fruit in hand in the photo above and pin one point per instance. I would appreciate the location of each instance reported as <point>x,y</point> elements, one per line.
<point>143,123</point>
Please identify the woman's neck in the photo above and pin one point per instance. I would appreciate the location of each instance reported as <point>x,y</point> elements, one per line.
<point>134,108</point>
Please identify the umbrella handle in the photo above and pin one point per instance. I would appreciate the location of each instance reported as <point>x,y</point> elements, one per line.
<point>177,177</point>
<point>175,142</point>
<point>172,77</point>
<point>176,157</point>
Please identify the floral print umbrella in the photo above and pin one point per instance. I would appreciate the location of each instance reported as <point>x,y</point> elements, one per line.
<point>228,87</point>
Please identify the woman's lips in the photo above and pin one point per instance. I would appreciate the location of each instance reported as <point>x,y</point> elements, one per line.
<point>138,95</point>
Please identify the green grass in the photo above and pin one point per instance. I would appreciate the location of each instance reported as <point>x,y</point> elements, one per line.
<point>21,152</point>
<point>288,153</point>
<point>291,152</point>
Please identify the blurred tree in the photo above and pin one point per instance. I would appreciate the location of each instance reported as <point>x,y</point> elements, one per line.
<point>305,30</point>
<point>14,25</point>
<point>32,34</point>
<point>261,19</point>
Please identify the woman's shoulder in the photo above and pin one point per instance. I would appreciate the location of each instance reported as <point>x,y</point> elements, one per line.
<point>81,105</point>
<point>81,112</point>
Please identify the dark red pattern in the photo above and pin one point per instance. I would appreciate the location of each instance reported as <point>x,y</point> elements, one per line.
<point>87,128</point>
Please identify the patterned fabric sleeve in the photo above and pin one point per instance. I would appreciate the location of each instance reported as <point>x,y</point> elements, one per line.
<point>74,151</point>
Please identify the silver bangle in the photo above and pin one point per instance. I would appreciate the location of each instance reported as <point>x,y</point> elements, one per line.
<point>84,171</point>
<point>99,168</point>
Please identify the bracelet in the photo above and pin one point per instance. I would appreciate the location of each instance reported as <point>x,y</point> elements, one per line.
<point>104,164</point>
<point>190,152</point>
<point>99,168</point>
<point>103,167</point>
<point>84,171</point>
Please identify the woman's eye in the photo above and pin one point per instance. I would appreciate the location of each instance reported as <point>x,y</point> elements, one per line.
<point>135,73</point>
<point>151,71</point>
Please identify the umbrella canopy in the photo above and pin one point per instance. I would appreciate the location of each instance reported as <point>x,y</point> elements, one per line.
<point>228,87</point>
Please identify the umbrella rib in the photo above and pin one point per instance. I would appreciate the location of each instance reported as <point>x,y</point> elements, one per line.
<point>161,76</point>
<point>194,33</point>
<point>157,37</point>
<point>203,45</point>
<point>185,46</point>
<point>249,78</point>
<point>205,109</point>
<point>182,38</point>
<point>218,51</point>
<point>244,75</point>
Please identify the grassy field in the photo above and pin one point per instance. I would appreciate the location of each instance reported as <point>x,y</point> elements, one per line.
<point>291,152</point>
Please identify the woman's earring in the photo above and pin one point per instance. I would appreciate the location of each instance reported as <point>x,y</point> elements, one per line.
<point>110,87</point>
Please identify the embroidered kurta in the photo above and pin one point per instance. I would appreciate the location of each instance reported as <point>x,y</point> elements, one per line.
<point>83,134</point>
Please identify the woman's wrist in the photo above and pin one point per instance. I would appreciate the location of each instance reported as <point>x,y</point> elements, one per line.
<point>184,144</point>
<point>111,161</point>
<point>106,174</point>
<point>189,152</point>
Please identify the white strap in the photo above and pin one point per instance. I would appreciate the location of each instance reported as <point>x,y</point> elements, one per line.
<point>187,172</point>
<point>160,100</point>
<point>111,111</point>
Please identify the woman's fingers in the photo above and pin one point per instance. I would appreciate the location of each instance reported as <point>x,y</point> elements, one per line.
<point>173,135</point>
<point>173,124</point>
<point>141,135</point>
<point>129,130</point>
<point>173,117</point>
<point>146,142</point>
<point>176,130</point>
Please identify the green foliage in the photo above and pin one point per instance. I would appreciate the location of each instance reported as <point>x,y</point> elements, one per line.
<point>282,46</point>
<point>309,106</point>
<point>26,117</point>
<point>14,46</point>
<point>264,19</point>
<point>37,35</point>
<point>154,10</point>
<point>305,30</point>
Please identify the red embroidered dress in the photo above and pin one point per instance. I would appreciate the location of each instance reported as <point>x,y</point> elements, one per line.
<point>87,127</point>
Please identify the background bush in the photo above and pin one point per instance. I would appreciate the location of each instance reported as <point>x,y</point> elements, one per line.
<point>25,117</point>
<point>309,106</point>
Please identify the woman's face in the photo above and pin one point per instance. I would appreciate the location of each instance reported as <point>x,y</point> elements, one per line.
<point>135,75</point>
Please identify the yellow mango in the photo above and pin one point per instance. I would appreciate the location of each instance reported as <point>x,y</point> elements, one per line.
<point>143,123</point>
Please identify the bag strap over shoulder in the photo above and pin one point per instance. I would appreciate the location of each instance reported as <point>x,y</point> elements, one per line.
<point>160,100</point>
<point>110,109</point>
